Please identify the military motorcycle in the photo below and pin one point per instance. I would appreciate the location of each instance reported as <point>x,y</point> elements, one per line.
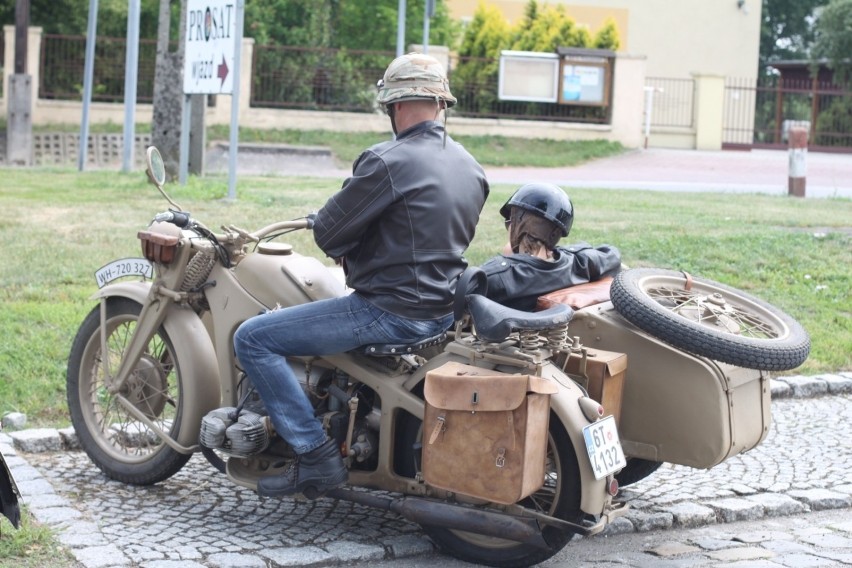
<point>503,438</point>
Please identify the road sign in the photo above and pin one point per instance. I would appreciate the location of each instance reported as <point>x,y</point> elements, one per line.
<point>211,32</point>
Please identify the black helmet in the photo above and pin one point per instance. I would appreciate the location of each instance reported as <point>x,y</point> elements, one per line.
<point>545,200</point>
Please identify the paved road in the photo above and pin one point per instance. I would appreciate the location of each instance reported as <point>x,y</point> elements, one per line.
<point>786,503</point>
<point>756,171</point>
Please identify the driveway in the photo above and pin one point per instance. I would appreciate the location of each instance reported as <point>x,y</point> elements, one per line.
<point>757,171</point>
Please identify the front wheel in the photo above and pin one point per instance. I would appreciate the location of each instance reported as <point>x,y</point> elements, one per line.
<point>124,448</point>
<point>559,497</point>
<point>710,319</point>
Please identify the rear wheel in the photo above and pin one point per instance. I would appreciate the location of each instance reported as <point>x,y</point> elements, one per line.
<point>559,497</point>
<point>123,447</point>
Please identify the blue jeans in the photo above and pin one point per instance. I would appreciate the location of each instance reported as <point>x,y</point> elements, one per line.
<point>325,327</point>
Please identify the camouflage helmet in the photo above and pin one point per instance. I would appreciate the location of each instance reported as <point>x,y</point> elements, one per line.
<point>414,76</point>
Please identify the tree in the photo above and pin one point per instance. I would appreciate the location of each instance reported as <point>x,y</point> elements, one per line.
<point>833,44</point>
<point>542,29</point>
<point>68,17</point>
<point>484,38</point>
<point>350,24</point>
<point>546,29</point>
<point>487,33</point>
<point>787,30</point>
<point>833,41</point>
<point>607,36</point>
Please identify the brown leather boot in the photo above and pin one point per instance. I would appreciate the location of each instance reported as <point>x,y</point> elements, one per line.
<point>313,474</point>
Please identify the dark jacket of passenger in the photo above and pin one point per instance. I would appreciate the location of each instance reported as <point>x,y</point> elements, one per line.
<point>517,280</point>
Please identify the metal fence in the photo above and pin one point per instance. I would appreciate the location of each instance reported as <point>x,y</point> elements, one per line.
<point>294,78</point>
<point>754,114</point>
<point>63,60</point>
<point>673,101</point>
<point>316,78</point>
<point>760,114</point>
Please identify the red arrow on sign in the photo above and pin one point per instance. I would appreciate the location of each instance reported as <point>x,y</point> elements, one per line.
<point>223,71</point>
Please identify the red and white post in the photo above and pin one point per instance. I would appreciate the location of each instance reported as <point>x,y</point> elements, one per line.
<point>798,143</point>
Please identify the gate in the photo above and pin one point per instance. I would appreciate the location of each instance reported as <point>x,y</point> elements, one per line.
<point>760,114</point>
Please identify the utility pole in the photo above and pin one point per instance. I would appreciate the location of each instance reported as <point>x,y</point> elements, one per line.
<point>400,28</point>
<point>428,13</point>
<point>19,121</point>
<point>131,68</point>
<point>88,80</point>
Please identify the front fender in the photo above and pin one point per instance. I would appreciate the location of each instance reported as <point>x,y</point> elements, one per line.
<point>564,404</point>
<point>196,358</point>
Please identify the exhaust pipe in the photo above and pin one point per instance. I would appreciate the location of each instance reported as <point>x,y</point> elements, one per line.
<point>446,515</point>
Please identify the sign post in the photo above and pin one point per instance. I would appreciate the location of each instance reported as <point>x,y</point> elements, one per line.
<point>214,34</point>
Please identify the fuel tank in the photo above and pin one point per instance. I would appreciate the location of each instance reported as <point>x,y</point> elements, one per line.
<point>275,275</point>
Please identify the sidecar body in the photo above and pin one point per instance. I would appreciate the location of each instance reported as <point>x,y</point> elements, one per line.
<point>676,407</point>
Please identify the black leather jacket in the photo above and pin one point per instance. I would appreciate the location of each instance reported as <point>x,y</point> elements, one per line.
<point>517,280</point>
<point>404,219</point>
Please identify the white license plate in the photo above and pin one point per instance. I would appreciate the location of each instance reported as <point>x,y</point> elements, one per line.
<point>122,268</point>
<point>604,447</point>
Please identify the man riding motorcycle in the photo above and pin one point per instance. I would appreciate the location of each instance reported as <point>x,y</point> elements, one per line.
<point>399,226</point>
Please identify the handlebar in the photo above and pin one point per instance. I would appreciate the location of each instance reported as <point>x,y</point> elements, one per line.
<point>183,219</point>
<point>305,223</point>
<point>180,219</point>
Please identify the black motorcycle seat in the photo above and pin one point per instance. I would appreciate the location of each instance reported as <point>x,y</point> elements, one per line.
<point>495,322</point>
<point>393,349</point>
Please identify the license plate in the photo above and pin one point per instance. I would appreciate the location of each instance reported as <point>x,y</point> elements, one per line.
<point>122,268</point>
<point>604,447</point>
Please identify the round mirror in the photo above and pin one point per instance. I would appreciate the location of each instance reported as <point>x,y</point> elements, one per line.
<point>156,167</point>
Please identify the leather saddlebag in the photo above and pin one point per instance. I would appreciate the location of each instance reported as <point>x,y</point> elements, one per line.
<point>485,432</point>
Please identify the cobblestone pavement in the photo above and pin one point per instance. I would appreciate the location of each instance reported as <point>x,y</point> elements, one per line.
<point>812,540</point>
<point>785,503</point>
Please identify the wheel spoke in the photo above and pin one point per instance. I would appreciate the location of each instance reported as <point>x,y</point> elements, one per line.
<point>147,388</point>
<point>699,307</point>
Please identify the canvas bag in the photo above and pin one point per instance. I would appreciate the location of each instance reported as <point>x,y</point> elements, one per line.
<point>485,432</point>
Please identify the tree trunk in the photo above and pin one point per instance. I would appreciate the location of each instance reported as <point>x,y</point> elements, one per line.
<point>168,91</point>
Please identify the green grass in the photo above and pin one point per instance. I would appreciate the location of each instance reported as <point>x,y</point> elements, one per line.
<point>31,546</point>
<point>346,146</point>
<point>59,226</point>
<point>489,150</point>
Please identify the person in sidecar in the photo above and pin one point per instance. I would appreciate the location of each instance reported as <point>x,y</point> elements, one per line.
<point>532,264</point>
<point>399,226</point>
